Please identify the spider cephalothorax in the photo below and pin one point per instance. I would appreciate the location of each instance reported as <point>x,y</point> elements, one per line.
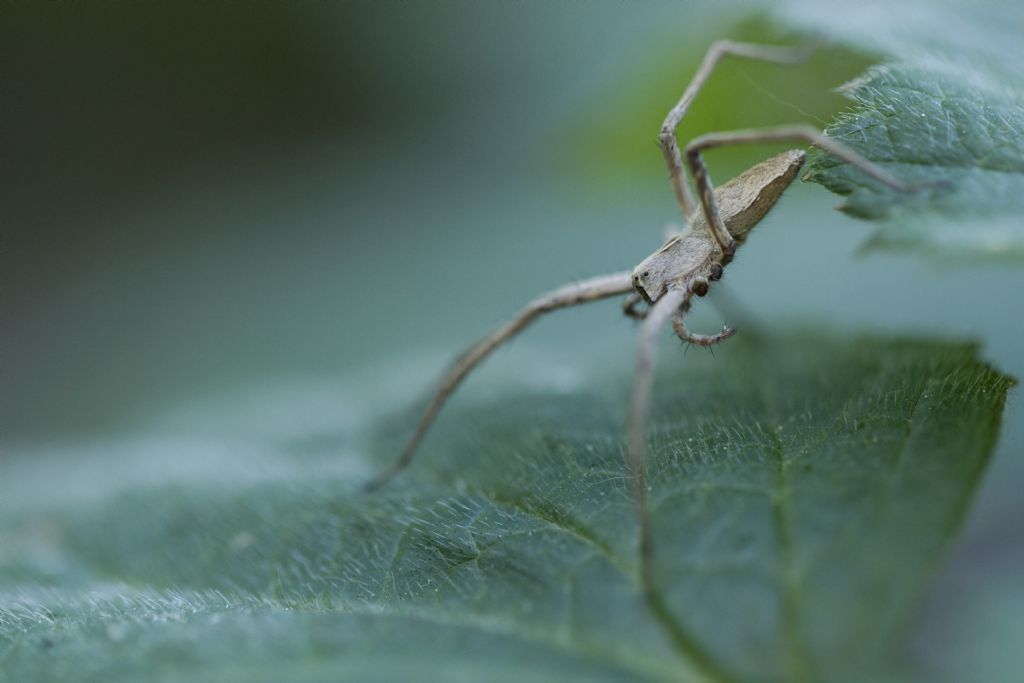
<point>693,258</point>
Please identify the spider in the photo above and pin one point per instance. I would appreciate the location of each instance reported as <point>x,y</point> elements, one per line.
<point>686,265</point>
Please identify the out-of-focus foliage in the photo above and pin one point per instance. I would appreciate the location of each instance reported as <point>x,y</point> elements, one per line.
<point>797,474</point>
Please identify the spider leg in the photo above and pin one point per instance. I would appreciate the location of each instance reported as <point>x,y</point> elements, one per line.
<point>588,290</point>
<point>799,132</point>
<point>730,307</point>
<point>683,332</point>
<point>629,307</point>
<point>636,440</point>
<point>667,136</point>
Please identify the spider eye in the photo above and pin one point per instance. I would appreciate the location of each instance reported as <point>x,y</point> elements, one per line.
<point>645,273</point>
<point>699,286</point>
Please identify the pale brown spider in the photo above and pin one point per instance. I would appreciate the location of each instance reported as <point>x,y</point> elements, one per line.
<point>685,265</point>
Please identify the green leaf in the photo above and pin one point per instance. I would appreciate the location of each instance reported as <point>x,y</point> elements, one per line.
<point>928,127</point>
<point>948,108</point>
<point>802,489</point>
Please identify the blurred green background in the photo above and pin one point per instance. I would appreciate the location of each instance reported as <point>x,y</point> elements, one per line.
<point>235,223</point>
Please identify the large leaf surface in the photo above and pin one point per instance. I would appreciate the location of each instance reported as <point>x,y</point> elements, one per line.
<point>802,490</point>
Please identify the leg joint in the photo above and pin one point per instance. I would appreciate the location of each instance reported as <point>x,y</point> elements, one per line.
<point>667,138</point>
<point>720,46</point>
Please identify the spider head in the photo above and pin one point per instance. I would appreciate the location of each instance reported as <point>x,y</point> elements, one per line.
<point>686,261</point>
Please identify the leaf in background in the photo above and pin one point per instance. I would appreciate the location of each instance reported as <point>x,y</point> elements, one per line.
<point>948,108</point>
<point>802,490</point>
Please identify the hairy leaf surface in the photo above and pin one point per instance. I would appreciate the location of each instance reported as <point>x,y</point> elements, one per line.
<point>947,108</point>
<point>802,489</point>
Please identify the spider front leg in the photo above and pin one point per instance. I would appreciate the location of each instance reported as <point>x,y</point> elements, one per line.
<point>570,295</point>
<point>630,304</point>
<point>684,333</point>
<point>636,439</point>
<point>667,137</point>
